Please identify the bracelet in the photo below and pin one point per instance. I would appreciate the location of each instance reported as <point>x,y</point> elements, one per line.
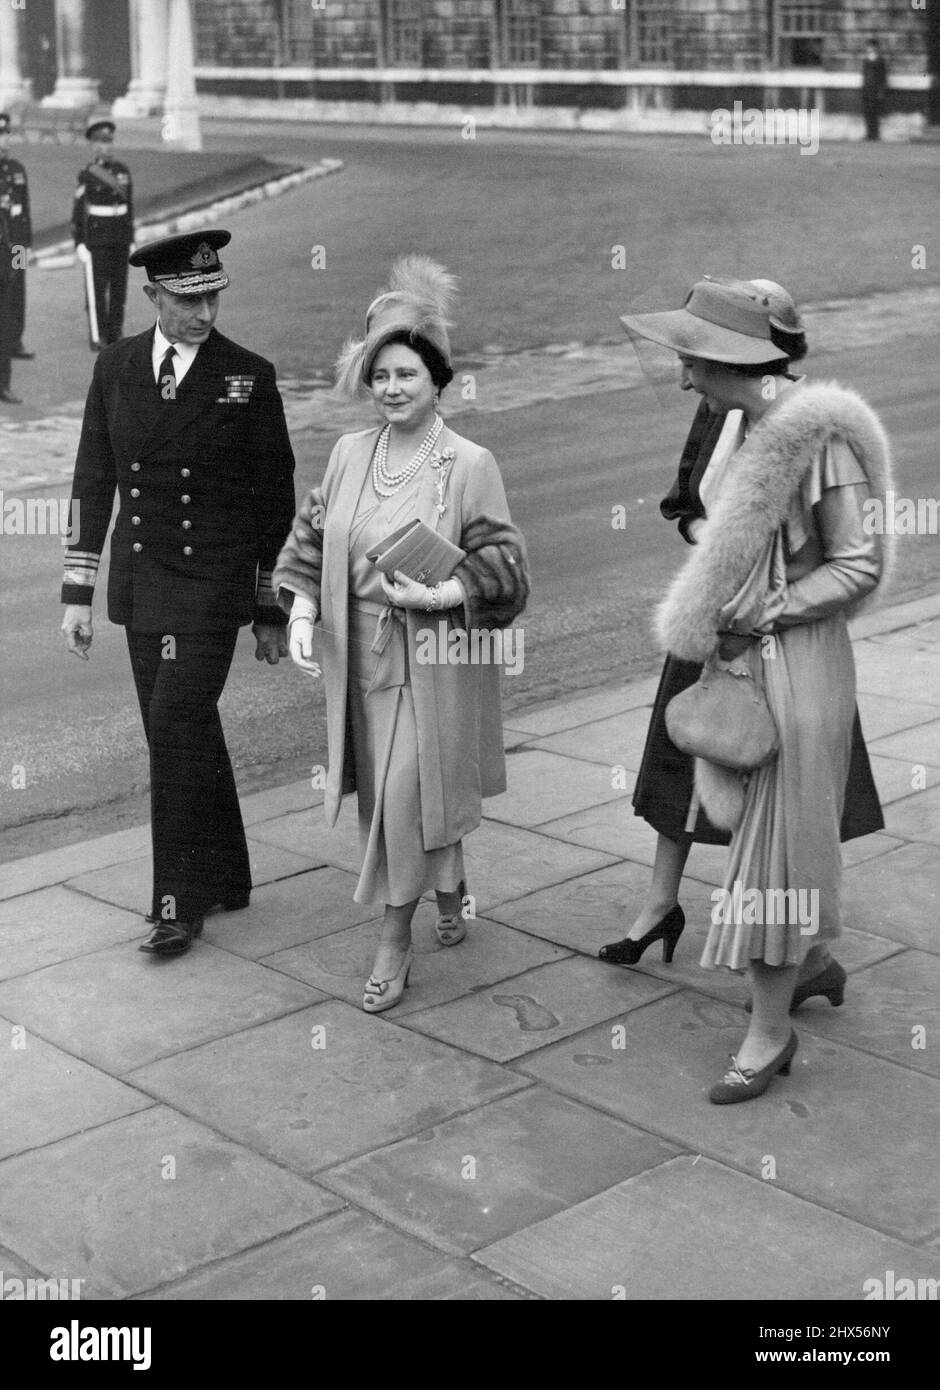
<point>434,598</point>
<point>310,617</point>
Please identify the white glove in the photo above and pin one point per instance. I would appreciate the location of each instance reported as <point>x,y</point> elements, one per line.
<point>300,625</point>
<point>83,253</point>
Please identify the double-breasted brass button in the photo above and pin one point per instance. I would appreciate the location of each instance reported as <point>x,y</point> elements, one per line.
<point>184,473</point>
<point>135,491</point>
<point>138,547</point>
<point>135,467</point>
<point>187,550</point>
<point>187,525</point>
<point>135,520</point>
<point>186,499</point>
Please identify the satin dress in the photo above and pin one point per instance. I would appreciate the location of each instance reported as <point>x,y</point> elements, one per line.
<point>396,868</point>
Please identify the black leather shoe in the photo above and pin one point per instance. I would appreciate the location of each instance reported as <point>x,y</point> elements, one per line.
<point>668,930</point>
<point>9,399</point>
<point>22,354</point>
<point>226,905</point>
<point>171,938</point>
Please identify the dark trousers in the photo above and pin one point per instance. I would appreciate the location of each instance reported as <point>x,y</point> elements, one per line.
<point>7,342</point>
<point>109,273</point>
<point>200,856</point>
<point>871,110</point>
<point>18,308</point>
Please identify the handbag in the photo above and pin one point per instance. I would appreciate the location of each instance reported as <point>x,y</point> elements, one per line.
<point>724,717</point>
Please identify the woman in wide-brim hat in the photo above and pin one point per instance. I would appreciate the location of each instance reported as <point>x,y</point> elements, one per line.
<point>664,792</point>
<point>414,723</point>
<point>784,554</point>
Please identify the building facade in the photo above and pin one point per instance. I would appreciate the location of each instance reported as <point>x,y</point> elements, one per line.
<point>593,63</point>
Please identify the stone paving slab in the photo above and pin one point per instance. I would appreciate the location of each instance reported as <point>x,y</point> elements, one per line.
<point>472,1180</point>
<point>617,742</point>
<point>854,951</point>
<point>55,924</point>
<point>119,1009</point>
<point>923,638</point>
<point>586,912</point>
<point>894,780</point>
<point>309,1107</point>
<point>890,1003</point>
<point>288,913</point>
<point>73,1206</point>
<point>129,884</point>
<point>897,896</point>
<point>305,834</point>
<point>867,847</point>
<point>895,617</point>
<point>12,1267</point>
<point>45,1094</point>
<point>527,1012</point>
<point>544,786</point>
<point>279,801</point>
<point>918,745</point>
<point>502,861</point>
<point>917,817</point>
<point>879,1169</point>
<point>573,711</point>
<point>882,715</point>
<point>343,1258</point>
<point>658,1236</point>
<point>882,670</point>
<point>339,965</point>
<point>57,865</point>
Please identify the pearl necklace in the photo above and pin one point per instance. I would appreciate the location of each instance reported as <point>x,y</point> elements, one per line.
<point>387,484</point>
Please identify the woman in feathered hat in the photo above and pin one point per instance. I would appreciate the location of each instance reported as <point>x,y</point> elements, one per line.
<point>413,718</point>
<point>784,557</point>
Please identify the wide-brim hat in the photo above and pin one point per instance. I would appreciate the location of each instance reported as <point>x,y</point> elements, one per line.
<point>721,321</point>
<point>186,264</point>
<point>418,298</point>
<point>100,126</point>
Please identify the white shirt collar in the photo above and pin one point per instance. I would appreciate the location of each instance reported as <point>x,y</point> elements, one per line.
<point>185,354</point>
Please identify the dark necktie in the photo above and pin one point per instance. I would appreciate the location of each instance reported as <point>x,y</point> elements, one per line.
<point>166,380</point>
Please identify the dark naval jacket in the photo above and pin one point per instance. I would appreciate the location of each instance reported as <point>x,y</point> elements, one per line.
<point>14,195</point>
<point>205,487</point>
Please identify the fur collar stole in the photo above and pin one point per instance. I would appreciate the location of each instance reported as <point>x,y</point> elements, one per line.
<point>754,503</point>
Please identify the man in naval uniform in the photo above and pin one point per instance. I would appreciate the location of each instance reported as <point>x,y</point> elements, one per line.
<point>189,429</point>
<point>103,228</point>
<point>14,186</point>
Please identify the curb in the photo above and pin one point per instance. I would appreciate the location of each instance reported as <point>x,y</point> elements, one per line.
<point>62,254</point>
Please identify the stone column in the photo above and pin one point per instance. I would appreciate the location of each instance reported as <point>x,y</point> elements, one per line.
<point>181,109</point>
<point>150,32</point>
<point>13,88</point>
<point>75,85</point>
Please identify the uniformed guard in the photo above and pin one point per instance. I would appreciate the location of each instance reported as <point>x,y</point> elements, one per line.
<point>14,183</point>
<point>189,428</point>
<point>103,228</point>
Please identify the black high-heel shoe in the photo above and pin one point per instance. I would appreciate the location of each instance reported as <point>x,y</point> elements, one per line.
<point>828,982</point>
<point>668,929</point>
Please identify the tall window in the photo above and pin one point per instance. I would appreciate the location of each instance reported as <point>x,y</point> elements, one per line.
<point>297,35</point>
<point>648,33</point>
<point>800,30</point>
<point>404,31</point>
<point>521,33</point>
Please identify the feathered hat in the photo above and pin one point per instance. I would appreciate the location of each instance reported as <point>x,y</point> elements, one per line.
<point>417,301</point>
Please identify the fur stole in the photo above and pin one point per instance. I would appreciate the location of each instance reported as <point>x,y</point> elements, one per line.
<point>494,572</point>
<point>300,564</point>
<point>754,503</point>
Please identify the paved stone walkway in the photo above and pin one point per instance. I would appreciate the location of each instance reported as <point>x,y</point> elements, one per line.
<point>528,1123</point>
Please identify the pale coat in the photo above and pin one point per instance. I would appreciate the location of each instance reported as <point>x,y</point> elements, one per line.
<point>457,707</point>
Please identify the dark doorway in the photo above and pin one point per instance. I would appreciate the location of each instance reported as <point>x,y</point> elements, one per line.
<point>39,62</point>
<point>109,44</point>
